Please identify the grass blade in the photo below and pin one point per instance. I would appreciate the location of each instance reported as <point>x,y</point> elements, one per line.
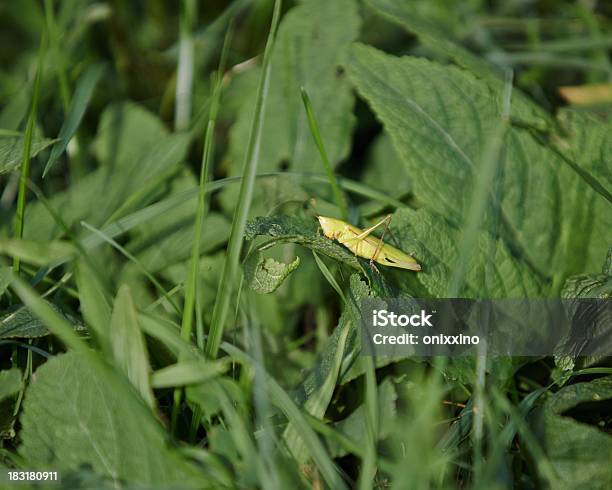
<point>128,345</point>
<point>188,372</point>
<point>27,148</point>
<point>190,288</point>
<point>194,264</point>
<point>234,246</point>
<point>58,57</point>
<point>184,76</point>
<point>314,129</point>
<point>82,96</point>
<point>329,276</point>
<point>95,306</point>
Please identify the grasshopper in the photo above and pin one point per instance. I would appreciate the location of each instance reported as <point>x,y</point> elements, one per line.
<point>363,244</point>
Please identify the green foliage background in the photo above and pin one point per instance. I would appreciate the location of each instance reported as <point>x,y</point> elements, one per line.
<point>172,317</point>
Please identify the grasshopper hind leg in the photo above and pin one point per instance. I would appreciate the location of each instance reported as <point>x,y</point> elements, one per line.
<point>386,220</point>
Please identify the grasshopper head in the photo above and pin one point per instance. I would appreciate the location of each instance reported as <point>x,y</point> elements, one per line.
<point>331,226</point>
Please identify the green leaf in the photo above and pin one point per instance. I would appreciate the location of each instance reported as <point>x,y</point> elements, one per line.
<point>11,150</point>
<point>440,118</point>
<point>265,275</point>
<point>283,229</point>
<point>589,144</point>
<point>434,243</point>
<point>126,133</point>
<point>96,424</point>
<point>591,285</point>
<point>20,322</point>
<point>15,110</point>
<point>10,382</point>
<point>237,443</point>
<point>437,38</point>
<point>136,156</point>
<point>385,172</point>
<point>587,286</point>
<point>312,39</point>
<point>80,101</point>
<point>579,452</point>
<point>128,345</point>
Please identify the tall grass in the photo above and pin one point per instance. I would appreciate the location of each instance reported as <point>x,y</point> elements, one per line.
<point>234,246</point>
<point>24,174</point>
<point>194,264</point>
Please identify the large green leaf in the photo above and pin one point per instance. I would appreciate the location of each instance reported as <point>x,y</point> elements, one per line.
<point>434,243</point>
<point>440,118</point>
<point>92,423</point>
<point>20,322</point>
<point>579,452</point>
<point>589,144</point>
<point>310,44</point>
<point>385,170</point>
<point>11,150</point>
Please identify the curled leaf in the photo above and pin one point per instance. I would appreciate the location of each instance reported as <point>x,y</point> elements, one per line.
<point>265,275</point>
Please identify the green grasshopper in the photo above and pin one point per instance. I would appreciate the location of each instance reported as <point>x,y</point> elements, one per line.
<point>363,244</point>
